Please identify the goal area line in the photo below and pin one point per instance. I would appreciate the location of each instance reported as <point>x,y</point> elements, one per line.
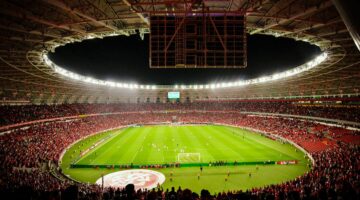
<point>188,158</point>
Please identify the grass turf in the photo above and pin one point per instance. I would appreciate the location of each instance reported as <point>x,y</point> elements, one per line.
<point>163,143</point>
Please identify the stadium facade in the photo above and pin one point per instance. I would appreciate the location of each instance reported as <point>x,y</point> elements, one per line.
<point>313,107</point>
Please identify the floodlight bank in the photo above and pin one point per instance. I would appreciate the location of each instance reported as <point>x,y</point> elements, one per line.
<point>264,79</point>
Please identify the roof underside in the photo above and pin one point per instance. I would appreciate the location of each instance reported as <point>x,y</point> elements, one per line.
<point>28,28</point>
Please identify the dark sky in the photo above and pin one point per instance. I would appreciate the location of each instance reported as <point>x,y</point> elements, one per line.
<point>125,59</point>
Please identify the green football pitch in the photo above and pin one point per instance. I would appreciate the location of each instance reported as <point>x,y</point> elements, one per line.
<point>190,145</point>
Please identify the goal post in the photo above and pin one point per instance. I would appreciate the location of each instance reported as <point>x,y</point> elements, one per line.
<point>188,157</point>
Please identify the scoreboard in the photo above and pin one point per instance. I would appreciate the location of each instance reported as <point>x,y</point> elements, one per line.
<point>173,95</point>
<point>201,41</point>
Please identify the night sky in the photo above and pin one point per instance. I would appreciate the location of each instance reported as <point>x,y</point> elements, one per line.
<point>126,59</point>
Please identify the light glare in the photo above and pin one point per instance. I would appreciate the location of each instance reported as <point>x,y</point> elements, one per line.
<point>307,66</point>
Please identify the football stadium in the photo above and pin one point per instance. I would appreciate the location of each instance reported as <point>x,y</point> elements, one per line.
<point>179,99</point>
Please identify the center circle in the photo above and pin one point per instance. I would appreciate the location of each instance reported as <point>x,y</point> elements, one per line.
<point>141,178</point>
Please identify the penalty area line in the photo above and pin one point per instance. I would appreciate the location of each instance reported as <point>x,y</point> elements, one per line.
<point>100,145</point>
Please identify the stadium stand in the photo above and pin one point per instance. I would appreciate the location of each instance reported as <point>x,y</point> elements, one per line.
<point>17,114</point>
<point>45,108</point>
<point>29,157</point>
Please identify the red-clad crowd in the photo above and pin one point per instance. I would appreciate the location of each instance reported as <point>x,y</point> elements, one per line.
<point>25,113</point>
<point>25,151</point>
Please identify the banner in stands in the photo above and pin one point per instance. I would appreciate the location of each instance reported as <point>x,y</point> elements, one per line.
<point>287,162</point>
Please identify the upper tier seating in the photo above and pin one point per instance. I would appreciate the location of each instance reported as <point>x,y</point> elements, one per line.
<point>18,114</point>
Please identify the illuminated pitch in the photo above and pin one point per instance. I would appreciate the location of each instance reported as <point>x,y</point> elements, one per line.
<point>218,150</point>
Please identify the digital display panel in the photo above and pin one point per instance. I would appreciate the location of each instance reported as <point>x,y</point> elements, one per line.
<point>173,95</point>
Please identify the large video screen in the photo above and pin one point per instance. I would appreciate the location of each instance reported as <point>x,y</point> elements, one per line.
<point>173,95</point>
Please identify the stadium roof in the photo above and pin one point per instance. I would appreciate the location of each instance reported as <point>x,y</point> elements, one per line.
<point>29,29</point>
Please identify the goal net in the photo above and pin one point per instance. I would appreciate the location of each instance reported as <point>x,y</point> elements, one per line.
<point>188,157</point>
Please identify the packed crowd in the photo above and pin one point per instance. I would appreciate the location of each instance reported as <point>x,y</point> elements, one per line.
<point>19,114</point>
<point>25,150</point>
<point>300,132</point>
